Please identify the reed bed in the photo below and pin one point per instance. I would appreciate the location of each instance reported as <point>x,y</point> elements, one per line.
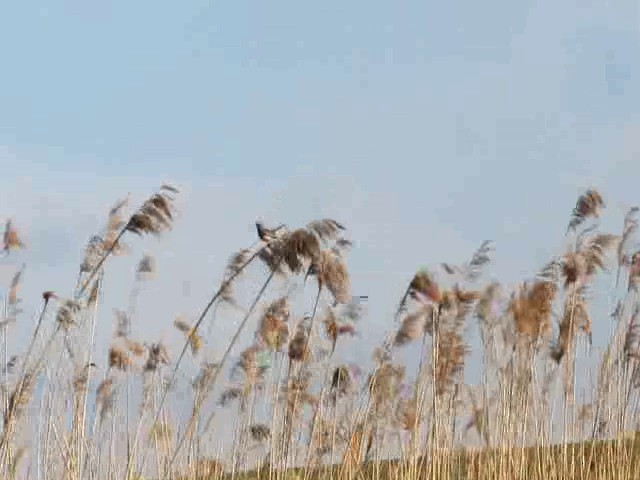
<point>276,401</point>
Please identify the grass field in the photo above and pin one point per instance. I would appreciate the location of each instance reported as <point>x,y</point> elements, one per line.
<point>291,407</point>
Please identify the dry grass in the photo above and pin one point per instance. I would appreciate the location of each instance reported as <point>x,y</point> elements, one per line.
<point>291,407</point>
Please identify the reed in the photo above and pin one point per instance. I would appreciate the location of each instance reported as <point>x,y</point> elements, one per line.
<point>291,407</point>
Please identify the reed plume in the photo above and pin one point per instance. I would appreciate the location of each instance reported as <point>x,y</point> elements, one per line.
<point>588,205</point>
<point>11,239</point>
<point>414,325</point>
<point>588,258</point>
<point>194,339</point>
<point>531,308</point>
<point>299,248</point>
<point>273,328</point>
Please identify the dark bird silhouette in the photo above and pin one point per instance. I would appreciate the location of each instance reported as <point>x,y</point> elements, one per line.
<point>267,234</point>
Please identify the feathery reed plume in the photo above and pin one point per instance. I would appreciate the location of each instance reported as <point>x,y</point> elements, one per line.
<point>341,245</point>
<point>632,336</point>
<point>576,316</point>
<point>630,227</point>
<point>414,325</point>
<point>11,238</point>
<point>531,308</point>
<point>423,286</point>
<point>273,328</point>
<point>589,257</point>
<point>488,304</point>
<point>203,380</point>
<point>450,360</point>
<point>299,344</point>
<point>230,394</point>
<point>136,348</point>
<point>115,223</point>
<point>334,327</point>
<point>13,301</point>
<point>251,366</point>
<point>260,432</point>
<point>326,228</point>
<point>384,384</point>
<point>279,308</point>
<point>341,382</point>
<point>472,270</point>
<point>634,271</point>
<point>119,358</point>
<point>588,205</point>
<point>195,340</point>
<point>158,355</point>
<point>92,254</point>
<point>406,414</point>
<point>236,264</point>
<point>19,397</point>
<point>99,245</point>
<point>332,273</point>
<point>459,300</point>
<point>13,287</point>
<point>67,312</point>
<point>147,268</point>
<point>105,397</point>
<point>293,248</point>
<point>296,394</point>
<point>481,257</point>
<point>155,216</point>
<point>273,332</point>
<point>356,308</point>
<point>299,247</point>
<point>81,378</point>
<point>340,319</point>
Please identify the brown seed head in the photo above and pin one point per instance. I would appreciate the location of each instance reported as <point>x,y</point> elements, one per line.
<point>119,358</point>
<point>333,274</point>
<point>67,312</point>
<point>531,308</point>
<point>588,205</point>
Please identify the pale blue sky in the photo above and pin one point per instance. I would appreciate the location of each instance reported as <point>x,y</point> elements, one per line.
<point>426,127</point>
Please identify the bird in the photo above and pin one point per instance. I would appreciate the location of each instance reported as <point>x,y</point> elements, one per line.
<point>267,234</point>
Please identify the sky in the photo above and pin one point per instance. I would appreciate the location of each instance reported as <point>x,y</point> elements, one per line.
<point>424,127</point>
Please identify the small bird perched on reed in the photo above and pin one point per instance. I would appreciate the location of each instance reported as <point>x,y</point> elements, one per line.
<point>267,234</point>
